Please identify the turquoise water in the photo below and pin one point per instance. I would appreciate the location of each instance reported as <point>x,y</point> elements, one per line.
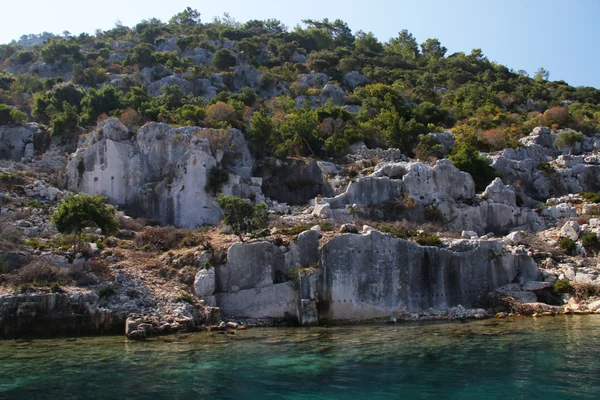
<point>546,358</point>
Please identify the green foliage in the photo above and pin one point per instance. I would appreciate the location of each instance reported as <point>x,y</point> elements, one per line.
<point>546,168</point>
<point>223,60</point>
<point>101,101</point>
<point>562,286</point>
<point>567,245</point>
<point>79,211</point>
<point>216,178</point>
<point>589,240</point>
<point>568,139</point>
<point>61,50</point>
<point>65,121</point>
<point>428,240</point>
<point>9,115</point>
<point>184,297</point>
<point>242,216</point>
<point>590,197</point>
<point>428,147</point>
<point>466,158</point>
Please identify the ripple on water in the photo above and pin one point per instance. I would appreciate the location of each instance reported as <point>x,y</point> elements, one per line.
<point>550,358</point>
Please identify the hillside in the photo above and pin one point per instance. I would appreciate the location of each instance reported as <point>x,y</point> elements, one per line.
<point>395,181</point>
<point>307,91</point>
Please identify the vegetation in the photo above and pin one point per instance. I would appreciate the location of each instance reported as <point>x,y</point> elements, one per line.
<point>567,245</point>
<point>80,211</point>
<point>409,88</point>
<point>242,216</point>
<point>562,286</point>
<point>590,197</point>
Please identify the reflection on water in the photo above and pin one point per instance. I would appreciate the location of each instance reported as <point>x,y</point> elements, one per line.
<point>550,358</point>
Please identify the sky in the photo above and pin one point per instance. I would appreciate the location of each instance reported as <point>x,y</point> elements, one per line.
<point>561,36</point>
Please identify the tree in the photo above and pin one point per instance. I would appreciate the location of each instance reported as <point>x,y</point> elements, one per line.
<point>223,60</point>
<point>405,45</point>
<point>466,158</point>
<point>541,75</point>
<point>433,48</point>
<point>243,216</point>
<point>79,211</point>
<point>188,18</point>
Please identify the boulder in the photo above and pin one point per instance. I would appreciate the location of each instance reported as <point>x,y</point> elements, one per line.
<point>16,142</point>
<point>204,283</point>
<point>497,192</point>
<point>570,230</point>
<point>335,93</point>
<point>355,79</point>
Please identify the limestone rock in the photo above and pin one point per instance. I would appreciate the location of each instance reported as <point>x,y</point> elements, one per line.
<point>335,93</point>
<point>161,172</point>
<point>570,230</point>
<point>497,192</point>
<point>355,79</point>
<point>204,283</point>
<point>514,290</point>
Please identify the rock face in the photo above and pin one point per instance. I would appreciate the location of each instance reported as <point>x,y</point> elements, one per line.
<point>448,190</point>
<point>17,142</point>
<point>160,172</point>
<point>255,281</point>
<point>359,277</point>
<point>55,314</point>
<point>296,183</point>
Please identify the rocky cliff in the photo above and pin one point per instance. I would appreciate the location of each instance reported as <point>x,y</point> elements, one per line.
<point>161,172</point>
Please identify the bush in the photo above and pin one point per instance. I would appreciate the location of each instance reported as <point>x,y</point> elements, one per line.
<point>216,178</point>
<point>567,245</point>
<point>568,139</point>
<point>591,197</point>
<point>184,297</point>
<point>466,158</point>
<point>546,168</point>
<point>428,240</point>
<point>223,60</point>
<point>590,241</point>
<point>9,115</point>
<point>64,122</point>
<point>80,211</point>
<point>562,286</point>
<point>243,216</point>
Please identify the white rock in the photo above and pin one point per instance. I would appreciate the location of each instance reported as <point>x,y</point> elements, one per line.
<point>570,230</point>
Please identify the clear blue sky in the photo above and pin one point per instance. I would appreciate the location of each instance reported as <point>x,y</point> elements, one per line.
<point>559,35</point>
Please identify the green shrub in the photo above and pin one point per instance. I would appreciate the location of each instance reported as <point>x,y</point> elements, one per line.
<point>243,216</point>
<point>9,115</point>
<point>568,139</point>
<point>184,297</point>
<point>428,240</point>
<point>546,168</point>
<point>567,245</point>
<point>216,178</point>
<point>590,241</point>
<point>562,286</point>
<point>223,60</point>
<point>590,197</point>
<point>466,158</point>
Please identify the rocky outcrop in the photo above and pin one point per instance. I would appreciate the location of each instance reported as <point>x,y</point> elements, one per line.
<point>55,314</point>
<point>359,277</point>
<point>17,142</point>
<point>442,190</point>
<point>255,281</point>
<point>296,182</point>
<point>161,172</point>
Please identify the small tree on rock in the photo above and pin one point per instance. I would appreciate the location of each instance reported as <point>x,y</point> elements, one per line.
<point>243,216</point>
<point>80,211</point>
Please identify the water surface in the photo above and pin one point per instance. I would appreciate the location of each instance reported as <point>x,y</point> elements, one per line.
<point>546,358</point>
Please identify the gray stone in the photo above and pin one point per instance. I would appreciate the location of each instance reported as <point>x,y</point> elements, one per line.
<point>570,230</point>
<point>335,93</point>
<point>205,282</point>
<point>536,285</point>
<point>514,290</point>
<point>161,173</point>
<point>355,79</point>
<point>497,192</point>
